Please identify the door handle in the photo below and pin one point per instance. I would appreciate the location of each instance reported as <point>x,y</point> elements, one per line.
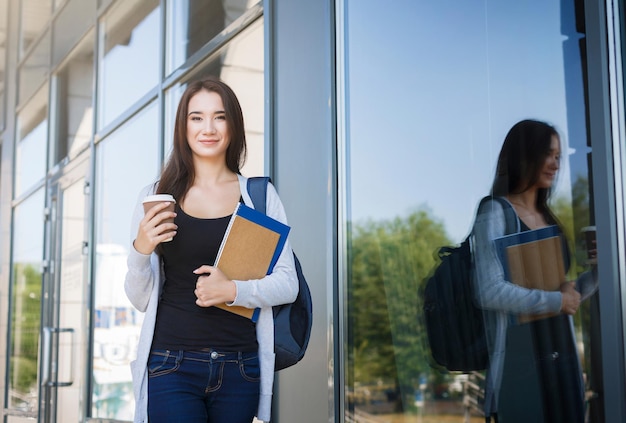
<point>47,365</point>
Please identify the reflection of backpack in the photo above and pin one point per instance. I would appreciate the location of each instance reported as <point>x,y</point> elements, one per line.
<point>292,322</point>
<point>454,324</point>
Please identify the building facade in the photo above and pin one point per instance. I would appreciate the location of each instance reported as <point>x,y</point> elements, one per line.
<point>380,124</point>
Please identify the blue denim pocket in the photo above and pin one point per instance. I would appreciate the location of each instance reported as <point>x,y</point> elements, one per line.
<point>162,362</point>
<point>250,369</point>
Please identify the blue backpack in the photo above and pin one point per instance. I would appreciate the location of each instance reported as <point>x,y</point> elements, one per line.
<point>292,322</point>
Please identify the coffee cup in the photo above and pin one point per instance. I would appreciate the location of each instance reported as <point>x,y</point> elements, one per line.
<point>152,200</point>
<point>589,233</point>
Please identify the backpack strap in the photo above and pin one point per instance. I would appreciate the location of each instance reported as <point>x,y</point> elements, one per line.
<point>512,224</point>
<point>292,322</point>
<point>257,189</point>
<point>512,221</point>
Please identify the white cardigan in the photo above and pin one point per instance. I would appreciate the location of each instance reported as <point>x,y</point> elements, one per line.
<point>144,281</point>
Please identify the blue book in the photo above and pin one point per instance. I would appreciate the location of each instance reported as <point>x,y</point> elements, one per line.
<point>250,249</point>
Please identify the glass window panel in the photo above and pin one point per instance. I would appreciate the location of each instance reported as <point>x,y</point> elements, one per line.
<point>28,231</point>
<point>621,51</point>
<point>74,113</point>
<point>71,268</point>
<point>69,26</point>
<point>192,23</point>
<point>2,102</point>
<point>34,16</point>
<point>240,64</point>
<point>129,56</point>
<point>104,3</point>
<point>127,161</point>
<point>58,3</point>
<point>3,52</point>
<point>30,152</point>
<point>444,86</point>
<point>16,419</point>
<point>34,71</point>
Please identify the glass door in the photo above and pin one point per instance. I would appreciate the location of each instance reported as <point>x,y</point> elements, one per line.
<point>466,75</point>
<point>65,305</point>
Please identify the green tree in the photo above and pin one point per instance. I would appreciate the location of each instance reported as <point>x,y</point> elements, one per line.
<point>389,261</point>
<point>586,320</point>
<point>25,327</point>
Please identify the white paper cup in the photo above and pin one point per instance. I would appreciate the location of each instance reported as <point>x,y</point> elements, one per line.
<point>152,200</point>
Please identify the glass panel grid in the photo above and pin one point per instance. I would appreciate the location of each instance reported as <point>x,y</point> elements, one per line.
<point>129,56</point>
<point>133,147</point>
<point>31,148</point>
<point>34,17</point>
<point>74,98</point>
<point>193,23</point>
<point>34,71</point>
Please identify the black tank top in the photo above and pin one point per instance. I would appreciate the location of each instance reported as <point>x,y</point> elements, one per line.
<point>180,323</point>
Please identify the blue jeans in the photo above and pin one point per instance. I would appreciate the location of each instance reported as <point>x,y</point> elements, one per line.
<point>203,386</point>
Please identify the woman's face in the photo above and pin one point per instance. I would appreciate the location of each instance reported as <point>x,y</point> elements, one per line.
<point>547,173</point>
<point>207,130</point>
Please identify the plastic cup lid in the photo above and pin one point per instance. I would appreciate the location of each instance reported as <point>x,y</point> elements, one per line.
<point>159,197</point>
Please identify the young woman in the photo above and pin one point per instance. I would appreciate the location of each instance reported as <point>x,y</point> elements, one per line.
<point>197,363</point>
<point>534,373</point>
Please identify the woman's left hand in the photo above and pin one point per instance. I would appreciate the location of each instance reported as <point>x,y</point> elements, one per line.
<point>570,298</point>
<point>213,287</point>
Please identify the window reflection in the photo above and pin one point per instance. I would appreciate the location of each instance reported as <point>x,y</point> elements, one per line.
<point>25,316</point>
<point>34,71</point>
<point>192,23</point>
<point>3,36</point>
<point>34,16</point>
<point>240,64</point>
<point>74,108</point>
<point>449,83</point>
<point>30,152</point>
<point>130,47</point>
<point>71,266</point>
<point>133,149</point>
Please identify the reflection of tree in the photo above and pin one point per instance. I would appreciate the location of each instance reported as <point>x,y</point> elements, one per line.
<point>110,399</point>
<point>580,217</point>
<point>573,217</point>
<point>389,261</point>
<point>580,213</point>
<point>25,327</point>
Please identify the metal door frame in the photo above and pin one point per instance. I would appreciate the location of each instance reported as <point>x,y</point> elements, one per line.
<point>59,179</point>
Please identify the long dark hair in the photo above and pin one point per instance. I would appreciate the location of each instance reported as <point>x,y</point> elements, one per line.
<point>179,173</point>
<point>521,159</point>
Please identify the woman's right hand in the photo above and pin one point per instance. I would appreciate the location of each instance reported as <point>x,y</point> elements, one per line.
<point>570,298</point>
<point>152,230</point>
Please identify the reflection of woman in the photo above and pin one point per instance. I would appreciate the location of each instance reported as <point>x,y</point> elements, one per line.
<point>534,373</point>
<point>197,363</point>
